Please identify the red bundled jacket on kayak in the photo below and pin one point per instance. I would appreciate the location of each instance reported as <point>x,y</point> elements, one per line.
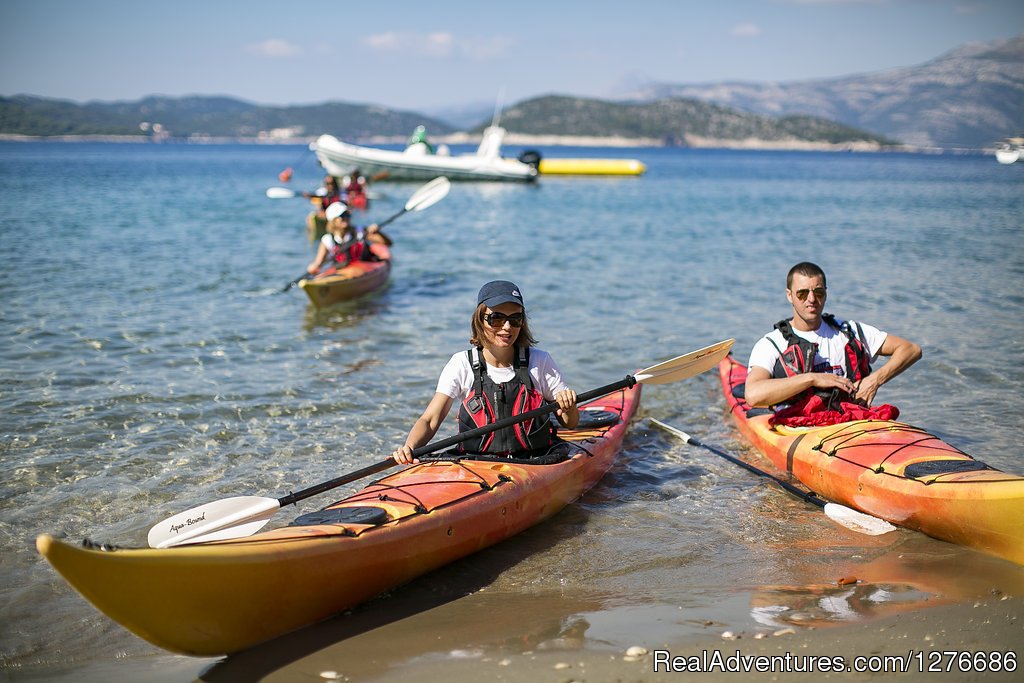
<point>813,412</point>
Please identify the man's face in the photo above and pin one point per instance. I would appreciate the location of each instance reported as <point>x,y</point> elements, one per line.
<point>807,296</point>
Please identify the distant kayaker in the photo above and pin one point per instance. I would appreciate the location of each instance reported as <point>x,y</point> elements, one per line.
<point>343,242</point>
<point>815,354</point>
<point>324,196</point>
<point>328,194</point>
<point>355,190</point>
<point>502,375</point>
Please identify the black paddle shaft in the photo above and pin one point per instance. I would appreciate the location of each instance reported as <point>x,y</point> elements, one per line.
<point>809,497</point>
<point>388,463</point>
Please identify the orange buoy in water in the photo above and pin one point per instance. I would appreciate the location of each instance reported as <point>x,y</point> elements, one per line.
<point>285,175</point>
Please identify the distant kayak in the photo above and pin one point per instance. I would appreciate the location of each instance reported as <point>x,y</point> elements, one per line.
<point>894,471</point>
<point>354,280</point>
<point>224,596</point>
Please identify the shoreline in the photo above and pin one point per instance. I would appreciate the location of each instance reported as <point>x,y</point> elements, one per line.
<point>950,639</point>
<point>440,628</point>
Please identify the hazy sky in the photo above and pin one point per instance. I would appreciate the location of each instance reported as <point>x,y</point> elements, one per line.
<point>420,55</point>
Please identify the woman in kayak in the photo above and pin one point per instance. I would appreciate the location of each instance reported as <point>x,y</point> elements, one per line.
<point>502,375</point>
<point>343,242</point>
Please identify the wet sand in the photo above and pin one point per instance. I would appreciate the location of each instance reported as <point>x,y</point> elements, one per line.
<point>493,616</point>
<point>430,647</point>
<point>476,622</point>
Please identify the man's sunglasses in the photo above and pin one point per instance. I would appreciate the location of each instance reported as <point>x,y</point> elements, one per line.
<point>496,319</point>
<point>819,293</point>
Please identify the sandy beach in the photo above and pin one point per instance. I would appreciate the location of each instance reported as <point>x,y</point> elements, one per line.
<point>960,642</point>
<point>478,620</point>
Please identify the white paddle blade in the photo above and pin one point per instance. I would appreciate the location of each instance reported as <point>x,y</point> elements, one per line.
<point>671,430</point>
<point>857,521</point>
<point>227,518</point>
<point>688,365</point>
<point>280,193</point>
<point>428,195</point>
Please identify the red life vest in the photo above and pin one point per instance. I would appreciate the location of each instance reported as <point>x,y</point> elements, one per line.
<point>343,253</point>
<point>492,401</point>
<point>329,199</point>
<point>798,357</point>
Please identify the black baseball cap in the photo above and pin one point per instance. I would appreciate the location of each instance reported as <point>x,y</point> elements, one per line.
<point>499,292</point>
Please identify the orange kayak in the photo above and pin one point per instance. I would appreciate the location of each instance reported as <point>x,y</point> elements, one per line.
<point>894,471</point>
<point>224,596</point>
<point>354,280</point>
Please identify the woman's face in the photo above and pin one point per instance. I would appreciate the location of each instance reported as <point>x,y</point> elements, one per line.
<point>502,324</point>
<point>340,225</point>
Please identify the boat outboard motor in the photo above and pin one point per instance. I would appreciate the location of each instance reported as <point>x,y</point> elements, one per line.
<point>530,157</point>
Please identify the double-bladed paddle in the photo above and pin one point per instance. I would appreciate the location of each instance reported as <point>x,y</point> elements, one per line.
<point>425,197</point>
<point>848,517</point>
<point>242,516</point>
<point>288,193</point>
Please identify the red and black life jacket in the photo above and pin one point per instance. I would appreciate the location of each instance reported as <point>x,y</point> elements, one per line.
<point>798,356</point>
<point>329,199</point>
<point>343,253</point>
<point>492,401</point>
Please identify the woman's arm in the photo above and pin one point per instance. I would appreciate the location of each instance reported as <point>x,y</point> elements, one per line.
<point>424,429</point>
<point>314,266</point>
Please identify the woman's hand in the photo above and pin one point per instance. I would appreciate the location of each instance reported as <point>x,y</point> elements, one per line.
<point>568,413</point>
<point>403,455</point>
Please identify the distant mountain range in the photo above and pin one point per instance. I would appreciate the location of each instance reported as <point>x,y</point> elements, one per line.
<point>205,117</point>
<point>669,121</point>
<point>676,121</point>
<point>968,98</point>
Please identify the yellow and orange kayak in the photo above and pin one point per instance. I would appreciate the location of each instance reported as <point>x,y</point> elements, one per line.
<point>224,596</point>
<point>354,280</point>
<point>892,470</point>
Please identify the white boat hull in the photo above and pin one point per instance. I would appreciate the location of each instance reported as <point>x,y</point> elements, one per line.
<point>339,158</point>
<point>1007,156</point>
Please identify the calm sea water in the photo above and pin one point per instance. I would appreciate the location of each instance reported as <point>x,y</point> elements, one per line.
<point>148,363</point>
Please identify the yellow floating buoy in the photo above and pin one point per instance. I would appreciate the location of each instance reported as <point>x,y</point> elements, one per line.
<point>591,167</point>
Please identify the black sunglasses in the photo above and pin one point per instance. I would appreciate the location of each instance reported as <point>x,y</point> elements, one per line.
<point>495,319</point>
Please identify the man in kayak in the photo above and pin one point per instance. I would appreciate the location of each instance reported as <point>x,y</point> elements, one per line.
<point>343,242</point>
<point>501,376</point>
<point>355,190</point>
<point>816,354</point>
<point>329,194</point>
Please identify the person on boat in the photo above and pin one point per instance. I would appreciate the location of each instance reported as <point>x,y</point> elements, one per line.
<point>502,375</point>
<point>419,137</point>
<point>344,242</point>
<point>815,361</point>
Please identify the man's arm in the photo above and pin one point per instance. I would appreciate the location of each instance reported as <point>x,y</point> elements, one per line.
<point>762,390</point>
<point>902,354</point>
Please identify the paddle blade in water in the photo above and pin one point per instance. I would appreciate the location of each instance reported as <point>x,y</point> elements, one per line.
<point>857,521</point>
<point>688,365</point>
<point>227,518</point>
